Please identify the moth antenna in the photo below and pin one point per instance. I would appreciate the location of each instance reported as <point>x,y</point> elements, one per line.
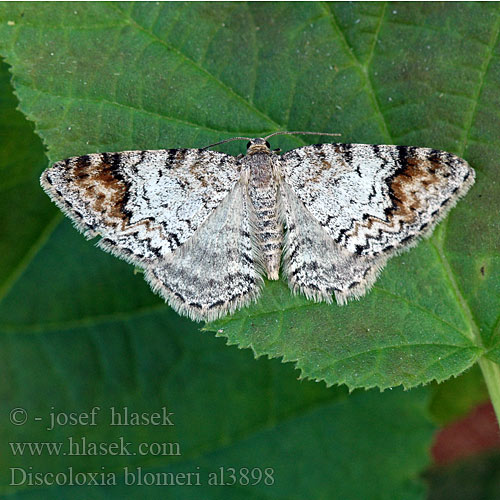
<point>283,132</point>
<point>227,140</point>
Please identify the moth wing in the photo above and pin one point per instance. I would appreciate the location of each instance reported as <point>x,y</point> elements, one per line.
<point>349,207</point>
<point>317,266</point>
<point>216,271</point>
<point>144,204</point>
<point>374,200</point>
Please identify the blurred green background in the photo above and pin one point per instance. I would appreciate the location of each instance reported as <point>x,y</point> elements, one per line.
<point>79,329</point>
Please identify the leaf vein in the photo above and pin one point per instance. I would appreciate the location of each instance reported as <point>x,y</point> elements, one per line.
<point>193,63</point>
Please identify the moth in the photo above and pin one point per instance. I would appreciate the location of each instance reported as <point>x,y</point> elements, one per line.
<point>206,226</point>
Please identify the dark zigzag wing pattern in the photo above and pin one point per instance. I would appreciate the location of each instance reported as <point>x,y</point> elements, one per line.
<point>144,204</point>
<point>349,207</point>
<point>376,199</point>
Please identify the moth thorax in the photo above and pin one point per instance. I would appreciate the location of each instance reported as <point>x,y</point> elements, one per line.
<point>261,170</point>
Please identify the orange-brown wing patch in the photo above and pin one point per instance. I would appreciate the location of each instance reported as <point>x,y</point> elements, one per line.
<point>106,187</point>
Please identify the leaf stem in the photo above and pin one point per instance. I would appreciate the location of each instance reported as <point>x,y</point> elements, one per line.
<point>490,370</point>
<point>491,374</point>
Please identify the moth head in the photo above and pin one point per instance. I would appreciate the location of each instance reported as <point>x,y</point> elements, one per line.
<point>258,145</point>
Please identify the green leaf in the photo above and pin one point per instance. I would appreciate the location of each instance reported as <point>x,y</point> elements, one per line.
<point>229,410</point>
<point>110,77</point>
<point>78,328</point>
<point>24,213</point>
